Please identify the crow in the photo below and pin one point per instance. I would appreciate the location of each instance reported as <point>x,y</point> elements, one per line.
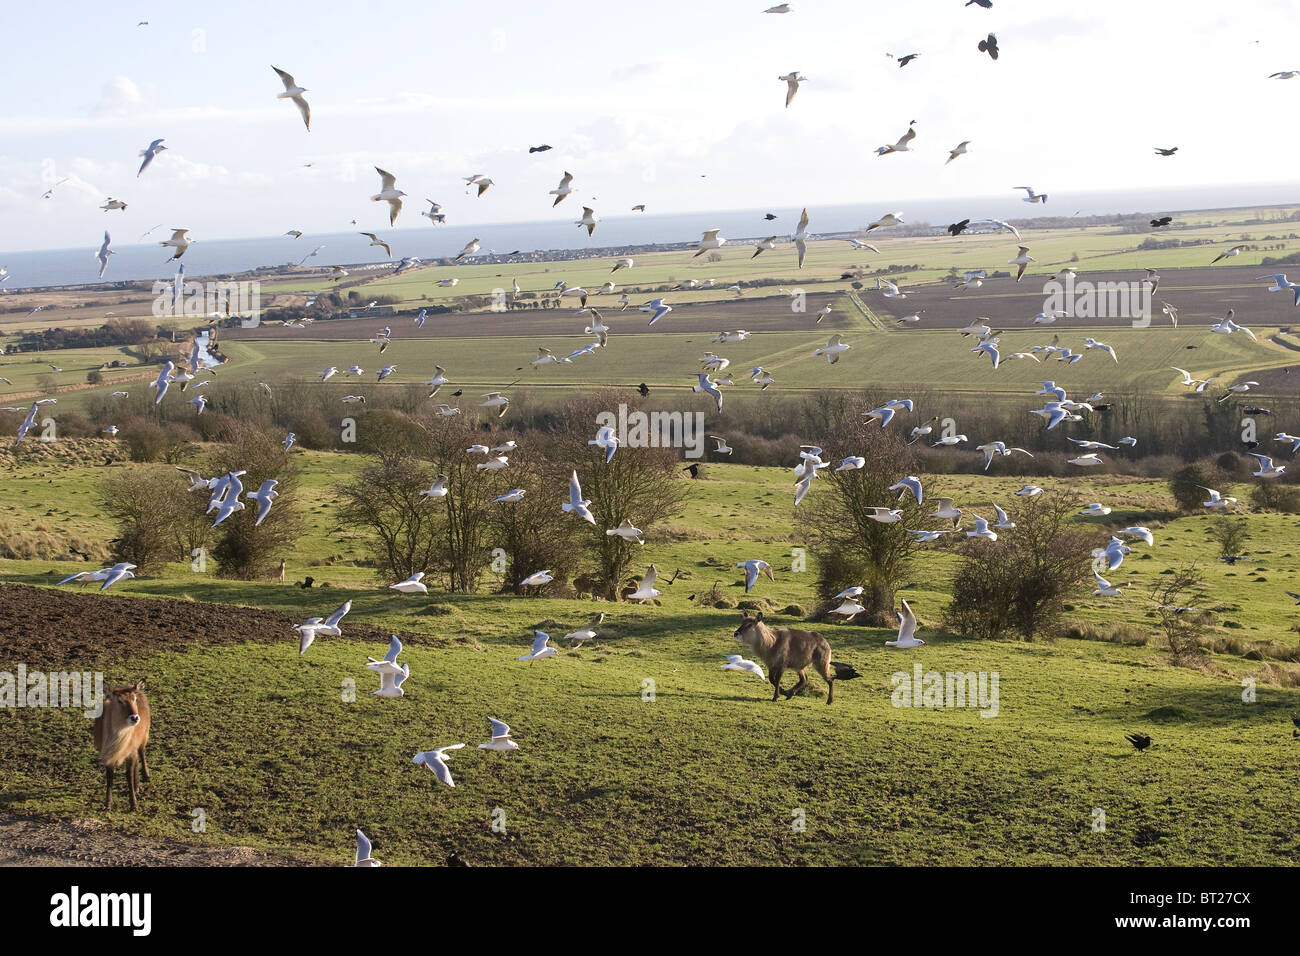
<point>1162,221</point>
<point>1140,741</point>
<point>990,46</point>
<point>644,389</point>
<point>453,858</point>
<point>847,672</point>
<point>957,227</point>
<point>693,469</point>
<point>306,583</point>
<point>536,149</point>
<point>1256,410</point>
<point>904,60</point>
<point>769,217</point>
<point>986,4</point>
<point>1166,152</point>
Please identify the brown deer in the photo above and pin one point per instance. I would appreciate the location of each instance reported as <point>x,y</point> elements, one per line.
<point>121,735</point>
<point>788,648</point>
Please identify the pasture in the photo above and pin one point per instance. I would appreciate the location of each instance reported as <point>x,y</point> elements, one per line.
<point>697,767</point>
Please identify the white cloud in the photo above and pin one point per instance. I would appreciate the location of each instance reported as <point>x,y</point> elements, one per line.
<point>122,96</point>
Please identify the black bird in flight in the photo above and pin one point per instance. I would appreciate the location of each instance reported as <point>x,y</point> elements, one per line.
<point>986,4</point>
<point>990,46</point>
<point>1140,741</point>
<point>1256,410</point>
<point>1166,152</point>
<point>956,228</point>
<point>769,217</point>
<point>904,60</point>
<point>644,389</point>
<point>538,149</point>
<point>1162,221</point>
<point>693,469</point>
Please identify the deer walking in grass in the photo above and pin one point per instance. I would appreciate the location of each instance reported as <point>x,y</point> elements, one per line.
<point>121,734</point>
<point>788,648</point>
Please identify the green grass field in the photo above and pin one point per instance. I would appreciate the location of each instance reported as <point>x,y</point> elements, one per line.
<point>709,771</point>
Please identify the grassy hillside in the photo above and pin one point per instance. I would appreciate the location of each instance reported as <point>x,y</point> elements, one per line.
<point>709,771</point>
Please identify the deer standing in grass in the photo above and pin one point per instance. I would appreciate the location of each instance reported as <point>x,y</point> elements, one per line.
<point>788,648</point>
<point>121,735</point>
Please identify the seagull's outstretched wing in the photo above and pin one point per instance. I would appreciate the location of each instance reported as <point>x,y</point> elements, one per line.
<point>906,623</point>
<point>334,619</point>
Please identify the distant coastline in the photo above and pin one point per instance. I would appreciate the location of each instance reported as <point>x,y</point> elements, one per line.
<point>615,236</point>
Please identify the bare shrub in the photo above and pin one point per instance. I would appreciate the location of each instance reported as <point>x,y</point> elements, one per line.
<point>1021,581</point>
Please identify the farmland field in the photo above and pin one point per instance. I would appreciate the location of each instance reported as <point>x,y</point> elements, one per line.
<point>620,760</point>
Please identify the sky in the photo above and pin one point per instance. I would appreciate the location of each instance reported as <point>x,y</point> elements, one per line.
<point>673,104</point>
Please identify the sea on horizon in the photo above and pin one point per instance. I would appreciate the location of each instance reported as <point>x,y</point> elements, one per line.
<point>430,242</point>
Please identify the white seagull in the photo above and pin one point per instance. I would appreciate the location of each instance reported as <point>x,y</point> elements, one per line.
<point>436,760</point>
<point>389,193</point>
<point>292,91</point>
<point>308,631</point>
<point>500,731</point>
<point>411,585</point>
<point>906,630</point>
<point>540,649</point>
<point>753,568</point>
<point>577,504</point>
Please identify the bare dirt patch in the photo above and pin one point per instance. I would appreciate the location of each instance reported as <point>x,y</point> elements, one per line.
<point>62,628</point>
<point>767,313</point>
<point>87,842</point>
<point>1202,296</point>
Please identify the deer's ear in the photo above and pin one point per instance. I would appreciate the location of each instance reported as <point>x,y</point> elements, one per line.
<point>139,685</point>
<point>760,616</point>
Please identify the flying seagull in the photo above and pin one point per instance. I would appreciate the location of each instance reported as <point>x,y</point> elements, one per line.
<point>901,146</point>
<point>792,81</point>
<point>1233,251</point>
<point>292,91</point>
<point>753,569</point>
<point>561,192</point>
<point>149,153</point>
<point>389,193</point>
<point>577,504</point>
<point>103,254</point>
<point>308,631</point>
<point>500,731</point>
<point>906,630</point>
<point>436,761</point>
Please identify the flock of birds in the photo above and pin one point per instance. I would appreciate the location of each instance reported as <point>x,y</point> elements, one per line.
<point>227,495</point>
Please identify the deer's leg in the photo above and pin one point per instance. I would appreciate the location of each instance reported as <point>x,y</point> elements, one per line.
<point>799,685</point>
<point>108,788</point>
<point>132,771</point>
<point>775,678</point>
<point>144,763</point>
